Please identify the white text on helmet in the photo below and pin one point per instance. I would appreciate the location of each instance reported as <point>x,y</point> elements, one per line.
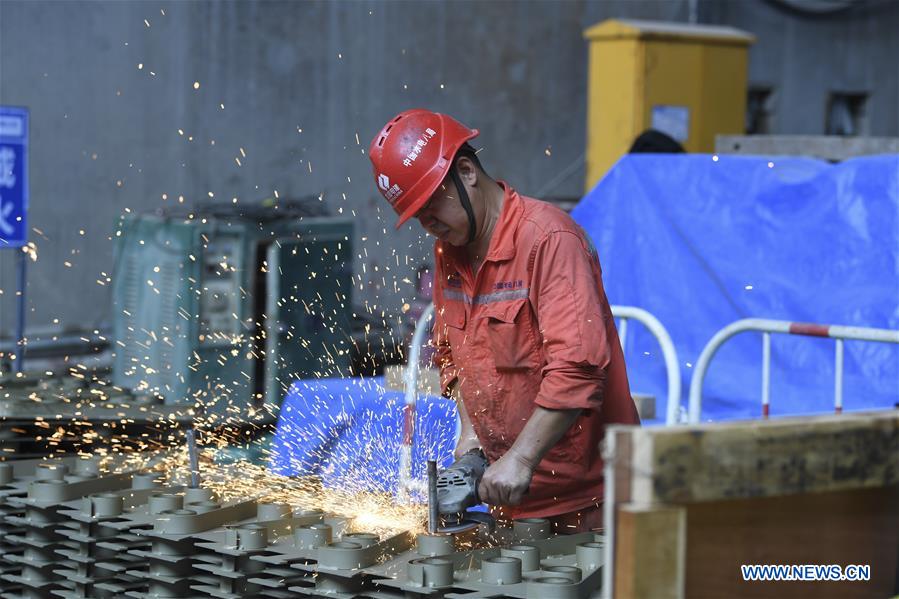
<point>422,141</point>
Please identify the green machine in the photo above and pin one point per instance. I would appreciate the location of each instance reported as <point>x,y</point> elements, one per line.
<point>227,309</point>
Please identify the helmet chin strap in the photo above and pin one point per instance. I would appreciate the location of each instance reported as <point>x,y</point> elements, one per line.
<point>466,203</point>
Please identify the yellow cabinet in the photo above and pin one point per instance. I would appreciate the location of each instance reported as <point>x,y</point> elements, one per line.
<point>688,81</point>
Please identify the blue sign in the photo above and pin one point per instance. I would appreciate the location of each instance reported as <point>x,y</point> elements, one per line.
<point>13,176</point>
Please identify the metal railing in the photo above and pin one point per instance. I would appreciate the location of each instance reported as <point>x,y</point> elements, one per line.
<point>839,333</point>
<point>625,313</point>
<point>410,390</point>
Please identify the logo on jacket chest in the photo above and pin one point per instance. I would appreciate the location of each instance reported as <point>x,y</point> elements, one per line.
<point>514,284</point>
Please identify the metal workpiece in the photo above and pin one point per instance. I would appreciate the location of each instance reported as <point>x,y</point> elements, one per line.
<point>86,563</point>
<point>86,468</point>
<point>364,539</point>
<point>165,502</point>
<point>229,564</point>
<point>435,545</point>
<point>313,536</point>
<point>247,537</point>
<point>145,480</point>
<point>501,570</point>
<point>58,490</point>
<point>572,573</point>
<point>542,568</point>
<point>33,568</point>
<point>346,555</point>
<point>528,555</point>
<point>589,556</point>
<point>29,404</point>
<point>166,569</point>
<point>431,572</point>
<point>251,559</point>
<point>196,494</point>
<point>272,511</point>
<point>552,587</point>
<point>201,507</point>
<point>6,474</point>
<point>70,530</point>
<point>531,529</point>
<point>49,471</point>
<point>8,530</point>
<point>181,522</point>
<point>104,505</point>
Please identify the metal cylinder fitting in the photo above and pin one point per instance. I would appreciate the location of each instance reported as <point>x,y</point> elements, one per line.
<point>589,556</point>
<point>198,494</point>
<point>144,480</point>
<point>247,537</point>
<point>532,529</point>
<point>6,476</point>
<point>345,555</point>
<point>552,587</point>
<point>528,554</point>
<point>364,539</point>
<point>201,507</point>
<point>312,536</point>
<point>272,511</point>
<point>430,572</point>
<point>435,545</point>
<point>501,570</point>
<point>50,471</point>
<point>304,513</point>
<point>107,505</point>
<point>163,502</point>
<point>87,467</point>
<point>572,573</point>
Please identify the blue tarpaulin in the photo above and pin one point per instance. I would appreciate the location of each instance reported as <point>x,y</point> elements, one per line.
<point>702,241</point>
<point>348,432</point>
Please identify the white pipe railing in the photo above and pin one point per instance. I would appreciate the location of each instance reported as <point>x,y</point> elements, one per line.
<point>410,388</point>
<point>655,327</point>
<point>839,333</point>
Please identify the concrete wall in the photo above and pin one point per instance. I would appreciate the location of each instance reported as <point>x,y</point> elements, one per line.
<point>300,81</point>
<point>804,58</point>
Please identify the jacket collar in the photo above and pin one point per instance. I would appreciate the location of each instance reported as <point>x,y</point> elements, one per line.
<point>502,241</point>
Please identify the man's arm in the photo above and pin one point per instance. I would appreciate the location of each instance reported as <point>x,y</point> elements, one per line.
<point>568,303</point>
<point>507,479</point>
<point>468,439</point>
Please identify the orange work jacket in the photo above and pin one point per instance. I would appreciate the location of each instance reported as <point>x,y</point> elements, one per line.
<point>534,328</point>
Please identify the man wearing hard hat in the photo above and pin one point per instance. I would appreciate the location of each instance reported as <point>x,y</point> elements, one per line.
<point>525,338</point>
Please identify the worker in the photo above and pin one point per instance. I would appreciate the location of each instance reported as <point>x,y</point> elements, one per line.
<point>526,342</point>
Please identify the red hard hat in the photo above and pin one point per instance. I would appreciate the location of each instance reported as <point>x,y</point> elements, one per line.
<point>411,156</point>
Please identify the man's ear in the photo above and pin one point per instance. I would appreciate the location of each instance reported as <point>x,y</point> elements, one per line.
<point>468,172</point>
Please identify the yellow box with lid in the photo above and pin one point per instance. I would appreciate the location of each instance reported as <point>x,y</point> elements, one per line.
<point>688,81</point>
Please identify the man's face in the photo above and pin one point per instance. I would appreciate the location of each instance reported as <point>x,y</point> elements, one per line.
<point>443,216</point>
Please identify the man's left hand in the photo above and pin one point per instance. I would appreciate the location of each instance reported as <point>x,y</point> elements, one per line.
<point>506,480</point>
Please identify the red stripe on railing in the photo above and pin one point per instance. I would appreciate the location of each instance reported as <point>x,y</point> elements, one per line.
<point>812,330</point>
<point>408,424</point>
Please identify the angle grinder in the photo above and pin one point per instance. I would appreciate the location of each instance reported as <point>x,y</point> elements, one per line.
<point>452,492</point>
